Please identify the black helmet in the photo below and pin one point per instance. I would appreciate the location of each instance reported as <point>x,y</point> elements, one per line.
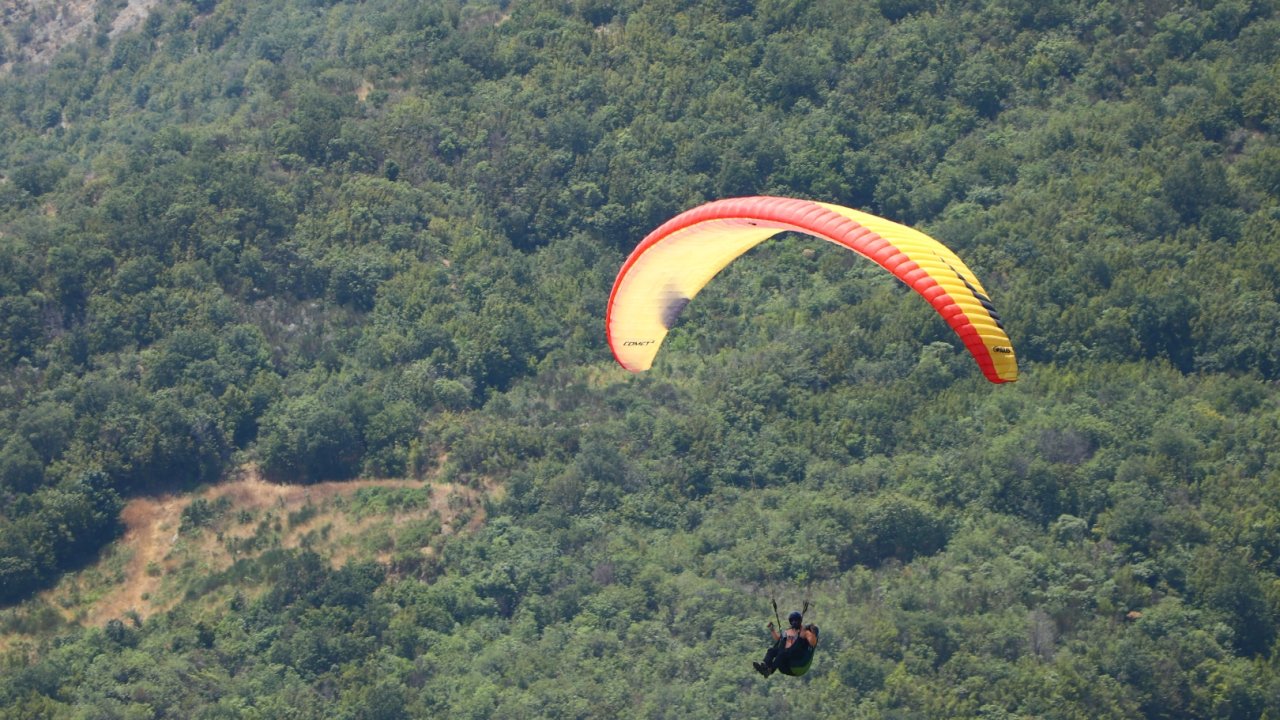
<point>794,618</point>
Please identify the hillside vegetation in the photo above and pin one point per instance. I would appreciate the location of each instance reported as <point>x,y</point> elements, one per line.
<point>346,240</point>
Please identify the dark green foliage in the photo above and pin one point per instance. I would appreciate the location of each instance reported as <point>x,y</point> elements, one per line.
<point>200,512</point>
<point>38,178</point>
<point>310,440</point>
<point>54,528</point>
<point>377,238</point>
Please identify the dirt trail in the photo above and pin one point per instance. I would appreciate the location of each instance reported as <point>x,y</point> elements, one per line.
<point>147,521</point>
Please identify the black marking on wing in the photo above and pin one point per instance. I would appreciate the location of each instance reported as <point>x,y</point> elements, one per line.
<point>672,305</point>
<point>980,297</point>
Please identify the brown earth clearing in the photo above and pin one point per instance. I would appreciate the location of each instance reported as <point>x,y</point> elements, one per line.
<point>168,545</point>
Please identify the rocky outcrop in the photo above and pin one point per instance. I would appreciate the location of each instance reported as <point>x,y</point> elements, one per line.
<point>33,31</point>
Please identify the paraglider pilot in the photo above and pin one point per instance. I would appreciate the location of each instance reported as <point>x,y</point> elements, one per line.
<point>792,649</point>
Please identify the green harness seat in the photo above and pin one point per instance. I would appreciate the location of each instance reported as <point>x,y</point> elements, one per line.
<point>799,665</point>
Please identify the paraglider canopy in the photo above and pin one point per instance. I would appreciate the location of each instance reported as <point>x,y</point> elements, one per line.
<point>675,261</point>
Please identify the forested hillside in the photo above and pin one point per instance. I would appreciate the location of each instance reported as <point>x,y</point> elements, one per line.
<point>341,240</point>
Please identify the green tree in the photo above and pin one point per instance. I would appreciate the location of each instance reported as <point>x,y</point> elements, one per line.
<point>309,439</point>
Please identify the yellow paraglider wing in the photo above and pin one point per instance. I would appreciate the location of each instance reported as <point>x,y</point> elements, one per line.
<point>673,263</point>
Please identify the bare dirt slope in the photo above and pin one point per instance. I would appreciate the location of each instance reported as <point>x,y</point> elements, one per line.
<point>144,571</point>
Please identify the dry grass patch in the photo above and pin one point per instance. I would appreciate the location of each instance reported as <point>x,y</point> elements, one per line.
<point>172,543</point>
